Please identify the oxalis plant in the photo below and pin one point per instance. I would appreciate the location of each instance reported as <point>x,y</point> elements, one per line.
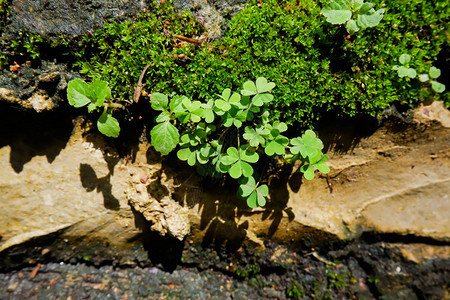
<point>96,96</point>
<point>200,131</point>
<point>406,71</point>
<point>355,14</point>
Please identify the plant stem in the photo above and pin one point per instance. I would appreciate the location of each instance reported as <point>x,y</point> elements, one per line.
<point>114,105</point>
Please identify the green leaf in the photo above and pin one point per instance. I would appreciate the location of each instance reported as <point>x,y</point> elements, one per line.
<point>256,196</point>
<point>247,186</point>
<point>164,137</point>
<point>262,86</point>
<point>99,91</point>
<point>277,146</point>
<point>208,111</point>
<point>159,101</point>
<point>308,171</point>
<point>247,156</point>
<point>424,77</point>
<point>260,99</point>
<point>91,107</point>
<point>338,12</point>
<point>249,88</point>
<point>176,104</point>
<point>240,168</point>
<point>371,19</point>
<point>364,8</point>
<point>406,72</point>
<point>404,59</point>
<point>437,87</point>
<point>434,72</point>
<point>108,125</point>
<point>308,145</point>
<point>351,26</point>
<point>78,93</point>
<point>184,153</point>
<point>162,117</point>
<point>255,137</point>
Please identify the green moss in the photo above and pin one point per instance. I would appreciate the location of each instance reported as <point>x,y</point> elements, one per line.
<point>317,67</point>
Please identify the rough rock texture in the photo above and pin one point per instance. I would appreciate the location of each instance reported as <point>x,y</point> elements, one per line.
<point>39,89</point>
<point>59,177</point>
<point>213,15</point>
<point>67,18</point>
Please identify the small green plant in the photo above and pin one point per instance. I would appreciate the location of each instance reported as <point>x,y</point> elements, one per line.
<point>355,14</point>
<point>295,290</point>
<point>404,70</point>
<point>204,126</point>
<point>433,74</point>
<point>95,96</point>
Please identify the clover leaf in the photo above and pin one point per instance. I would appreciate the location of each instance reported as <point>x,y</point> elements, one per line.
<point>235,117</point>
<point>276,143</point>
<point>434,72</point>
<point>309,145</point>
<point>208,111</point>
<point>239,161</point>
<point>319,162</point>
<point>437,86</point>
<point>256,196</point>
<point>258,90</point>
<point>342,11</point>
<point>192,111</point>
<point>255,137</point>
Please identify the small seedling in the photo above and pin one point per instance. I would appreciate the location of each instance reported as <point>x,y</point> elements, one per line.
<point>95,96</point>
<point>355,14</point>
<point>404,70</point>
<point>433,74</point>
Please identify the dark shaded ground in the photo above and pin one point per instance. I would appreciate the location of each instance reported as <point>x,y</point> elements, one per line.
<point>363,270</point>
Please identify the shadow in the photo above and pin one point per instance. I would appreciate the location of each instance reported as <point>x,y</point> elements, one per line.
<point>342,135</point>
<point>164,252</point>
<point>31,134</point>
<point>91,182</point>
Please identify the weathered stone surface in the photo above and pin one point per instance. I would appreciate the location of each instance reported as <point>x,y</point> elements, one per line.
<point>393,180</point>
<point>68,18</point>
<point>213,15</point>
<point>38,89</point>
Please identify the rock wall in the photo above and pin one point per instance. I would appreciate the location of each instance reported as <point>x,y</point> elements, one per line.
<point>71,180</point>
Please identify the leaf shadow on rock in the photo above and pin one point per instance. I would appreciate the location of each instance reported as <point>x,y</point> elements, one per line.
<point>91,182</point>
<point>342,136</point>
<point>31,134</point>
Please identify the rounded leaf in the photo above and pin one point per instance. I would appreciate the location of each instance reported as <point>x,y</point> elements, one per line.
<point>159,101</point>
<point>108,125</point>
<point>434,72</point>
<point>437,87</point>
<point>78,93</point>
<point>404,59</point>
<point>164,137</point>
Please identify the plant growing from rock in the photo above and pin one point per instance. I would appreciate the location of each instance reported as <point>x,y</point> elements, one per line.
<point>433,74</point>
<point>355,14</point>
<point>406,71</point>
<point>95,96</point>
<point>199,130</point>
